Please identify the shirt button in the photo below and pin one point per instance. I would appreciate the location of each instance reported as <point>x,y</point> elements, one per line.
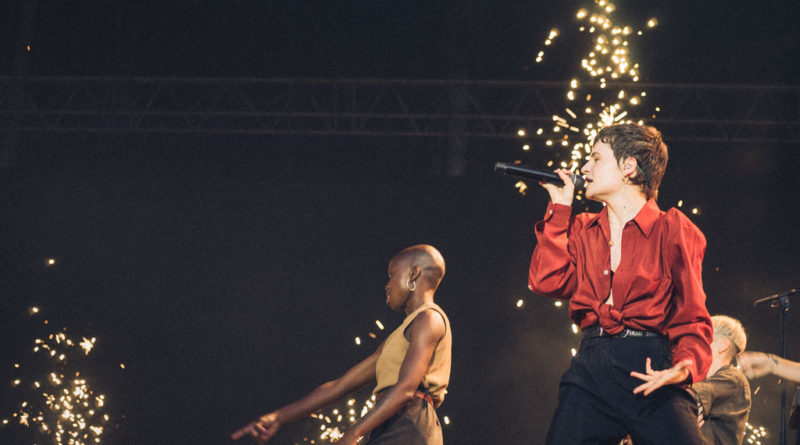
<point>551,212</point>
<point>605,272</point>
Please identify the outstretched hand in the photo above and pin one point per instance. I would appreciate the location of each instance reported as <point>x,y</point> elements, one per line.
<point>261,429</point>
<point>656,379</point>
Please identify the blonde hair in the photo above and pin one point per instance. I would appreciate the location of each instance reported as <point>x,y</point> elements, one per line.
<point>732,329</point>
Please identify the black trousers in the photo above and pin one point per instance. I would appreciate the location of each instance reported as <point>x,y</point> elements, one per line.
<point>596,404</point>
<point>415,424</point>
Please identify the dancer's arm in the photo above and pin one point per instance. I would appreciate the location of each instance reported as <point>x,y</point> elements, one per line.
<point>263,428</point>
<point>758,364</point>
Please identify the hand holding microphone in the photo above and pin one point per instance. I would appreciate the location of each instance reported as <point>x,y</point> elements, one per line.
<point>560,184</point>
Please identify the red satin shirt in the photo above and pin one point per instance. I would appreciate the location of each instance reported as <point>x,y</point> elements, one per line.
<point>657,286</point>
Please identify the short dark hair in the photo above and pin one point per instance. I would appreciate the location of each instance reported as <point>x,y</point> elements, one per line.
<point>643,143</point>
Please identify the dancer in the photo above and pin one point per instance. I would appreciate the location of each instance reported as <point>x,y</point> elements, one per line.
<point>723,398</point>
<point>411,369</point>
<point>633,276</point>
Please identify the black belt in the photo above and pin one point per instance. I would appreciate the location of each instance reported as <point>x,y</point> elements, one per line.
<point>597,331</point>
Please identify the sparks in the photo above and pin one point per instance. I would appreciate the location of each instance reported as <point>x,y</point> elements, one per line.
<point>608,60</point>
<point>61,407</point>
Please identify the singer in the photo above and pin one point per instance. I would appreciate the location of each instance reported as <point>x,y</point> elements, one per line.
<point>411,368</point>
<point>632,274</point>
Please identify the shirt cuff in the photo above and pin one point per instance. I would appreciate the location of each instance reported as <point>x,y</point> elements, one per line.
<point>558,213</point>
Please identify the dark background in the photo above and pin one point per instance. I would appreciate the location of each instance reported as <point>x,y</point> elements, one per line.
<point>229,281</point>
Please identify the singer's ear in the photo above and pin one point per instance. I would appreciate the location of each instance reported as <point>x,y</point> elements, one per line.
<point>629,167</point>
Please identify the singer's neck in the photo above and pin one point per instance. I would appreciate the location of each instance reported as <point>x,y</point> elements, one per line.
<point>623,207</point>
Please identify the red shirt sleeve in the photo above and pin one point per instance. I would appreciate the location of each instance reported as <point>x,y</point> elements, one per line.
<point>552,269</point>
<point>689,327</point>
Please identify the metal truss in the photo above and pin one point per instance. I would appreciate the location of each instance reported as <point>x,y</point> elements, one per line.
<point>379,107</point>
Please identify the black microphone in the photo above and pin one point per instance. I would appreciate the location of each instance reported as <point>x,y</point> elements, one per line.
<point>772,298</point>
<point>537,175</point>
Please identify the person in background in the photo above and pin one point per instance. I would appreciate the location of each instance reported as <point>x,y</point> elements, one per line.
<point>723,398</point>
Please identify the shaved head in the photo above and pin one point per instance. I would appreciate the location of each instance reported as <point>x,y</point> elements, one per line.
<point>429,260</point>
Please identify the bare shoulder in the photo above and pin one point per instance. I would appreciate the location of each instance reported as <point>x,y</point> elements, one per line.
<point>428,324</point>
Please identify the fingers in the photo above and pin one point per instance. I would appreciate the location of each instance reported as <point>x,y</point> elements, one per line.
<point>564,174</point>
<point>640,376</point>
<point>651,382</point>
<point>648,369</point>
<point>652,379</point>
<point>254,429</point>
<point>241,432</point>
<point>648,387</point>
<point>259,429</point>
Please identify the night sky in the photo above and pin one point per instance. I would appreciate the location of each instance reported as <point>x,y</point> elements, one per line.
<point>231,274</point>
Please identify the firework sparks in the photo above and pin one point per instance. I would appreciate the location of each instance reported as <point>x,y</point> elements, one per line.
<point>522,187</point>
<point>754,434</point>
<point>607,62</point>
<point>60,405</point>
<point>333,423</point>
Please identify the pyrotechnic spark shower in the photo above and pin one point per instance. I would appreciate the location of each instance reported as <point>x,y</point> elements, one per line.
<point>56,402</point>
<point>596,96</point>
